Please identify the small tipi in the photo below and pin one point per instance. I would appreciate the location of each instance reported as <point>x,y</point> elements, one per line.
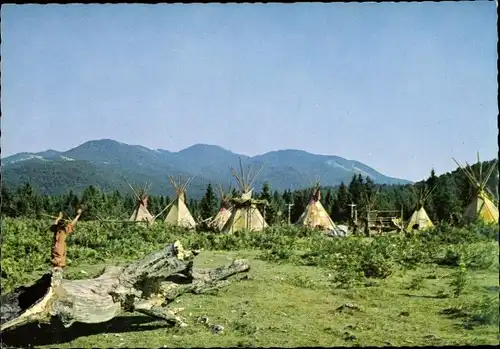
<point>141,213</point>
<point>315,215</point>
<point>179,214</point>
<point>481,207</point>
<point>225,210</point>
<point>245,214</point>
<point>420,220</point>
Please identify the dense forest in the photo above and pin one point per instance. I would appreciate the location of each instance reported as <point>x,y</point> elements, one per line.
<point>452,192</point>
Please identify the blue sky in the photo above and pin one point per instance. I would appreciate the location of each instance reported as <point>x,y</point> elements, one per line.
<point>402,87</point>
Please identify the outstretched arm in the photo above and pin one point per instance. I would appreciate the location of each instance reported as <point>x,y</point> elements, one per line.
<point>79,213</point>
<point>58,218</point>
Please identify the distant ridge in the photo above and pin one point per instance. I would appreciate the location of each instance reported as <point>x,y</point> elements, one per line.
<point>104,163</point>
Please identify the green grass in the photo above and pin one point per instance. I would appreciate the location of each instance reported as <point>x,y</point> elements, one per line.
<point>403,285</point>
<point>285,305</point>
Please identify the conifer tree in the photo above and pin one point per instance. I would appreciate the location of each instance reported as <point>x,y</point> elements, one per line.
<point>270,210</point>
<point>92,202</point>
<point>340,210</point>
<point>208,204</point>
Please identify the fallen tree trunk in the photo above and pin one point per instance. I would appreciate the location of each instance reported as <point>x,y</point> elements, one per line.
<point>147,286</point>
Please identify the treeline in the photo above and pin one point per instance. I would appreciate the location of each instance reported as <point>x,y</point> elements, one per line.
<point>450,197</point>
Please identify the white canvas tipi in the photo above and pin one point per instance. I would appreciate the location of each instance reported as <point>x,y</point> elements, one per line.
<point>420,220</point>
<point>141,213</point>
<point>225,210</point>
<point>179,214</point>
<point>481,206</point>
<point>315,215</point>
<point>245,214</point>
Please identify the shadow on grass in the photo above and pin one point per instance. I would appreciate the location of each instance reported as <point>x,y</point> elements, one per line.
<point>33,335</point>
<point>453,313</point>
<point>494,289</point>
<point>423,296</point>
<point>467,323</point>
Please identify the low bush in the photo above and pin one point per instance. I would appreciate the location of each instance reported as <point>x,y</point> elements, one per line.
<point>303,282</point>
<point>480,255</point>
<point>459,280</point>
<point>26,247</point>
<point>276,254</point>
<point>416,283</point>
<point>347,272</point>
<point>375,265</point>
<point>483,311</point>
<point>476,313</point>
<point>452,257</point>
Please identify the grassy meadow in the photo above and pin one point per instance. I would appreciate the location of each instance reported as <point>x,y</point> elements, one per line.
<point>436,288</point>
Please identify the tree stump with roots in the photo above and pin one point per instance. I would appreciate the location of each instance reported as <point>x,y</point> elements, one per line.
<point>147,286</point>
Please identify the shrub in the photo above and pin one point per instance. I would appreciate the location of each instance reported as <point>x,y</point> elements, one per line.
<point>244,327</point>
<point>483,312</point>
<point>416,283</point>
<point>347,272</point>
<point>452,257</point>
<point>480,256</point>
<point>433,272</point>
<point>310,258</point>
<point>487,232</point>
<point>26,247</point>
<point>375,265</point>
<point>469,233</point>
<point>276,254</point>
<point>302,281</point>
<point>479,312</point>
<point>410,257</point>
<point>459,280</point>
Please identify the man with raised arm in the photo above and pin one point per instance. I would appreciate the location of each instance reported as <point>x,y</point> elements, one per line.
<point>61,230</point>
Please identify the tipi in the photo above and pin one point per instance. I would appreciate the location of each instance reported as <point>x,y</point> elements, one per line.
<point>225,210</point>
<point>245,214</point>
<point>179,214</point>
<point>481,207</point>
<point>141,213</point>
<point>315,215</point>
<point>419,220</point>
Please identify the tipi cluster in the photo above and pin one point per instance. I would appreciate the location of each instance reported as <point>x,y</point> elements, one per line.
<point>178,214</point>
<point>242,213</point>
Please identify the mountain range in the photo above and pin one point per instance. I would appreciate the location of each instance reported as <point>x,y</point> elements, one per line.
<point>105,163</point>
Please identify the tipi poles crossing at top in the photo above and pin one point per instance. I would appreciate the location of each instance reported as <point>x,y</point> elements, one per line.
<point>140,193</point>
<point>245,182</point>
<point>468,173</point>
<point>480,167</point>
<point>479,182</point>
<point>245,213</point>
<point>180,189</point>
<point>422,194</point>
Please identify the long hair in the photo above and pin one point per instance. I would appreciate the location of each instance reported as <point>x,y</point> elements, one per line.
<point>58,226</point>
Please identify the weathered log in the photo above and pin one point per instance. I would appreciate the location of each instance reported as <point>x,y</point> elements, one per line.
<point>147,286</point>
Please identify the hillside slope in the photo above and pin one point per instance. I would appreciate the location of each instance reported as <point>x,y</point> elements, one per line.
<point>104,163</point>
